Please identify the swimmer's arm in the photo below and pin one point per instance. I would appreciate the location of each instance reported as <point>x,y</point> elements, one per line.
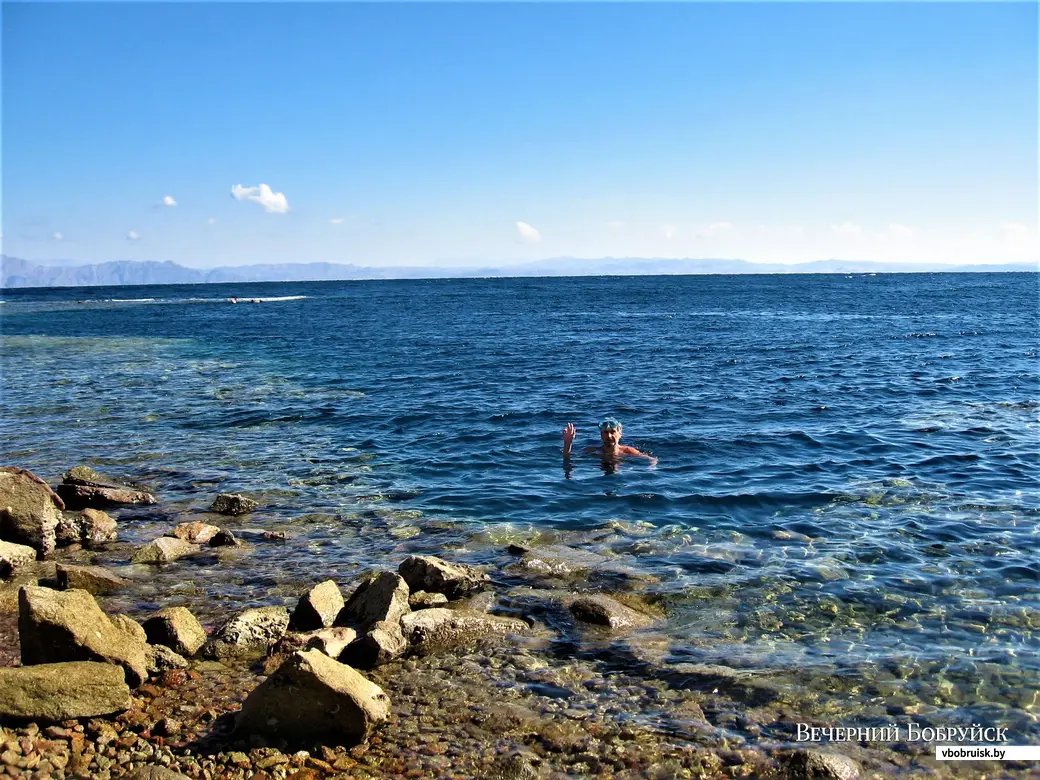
<point>569,432</point>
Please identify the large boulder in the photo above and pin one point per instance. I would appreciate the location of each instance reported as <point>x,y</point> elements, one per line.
<point>83,488</point>
<point>318,607</point>
<point>233,504</point>
<point>313,698</point>
<point>29,510</point>
<point>90,527</point>
<point>454,580</point>
<point>56,626</point>
<point>63,691</point>
<point>382,597</point>
<point>249,634</point>
<point>14,557</point>
<point>163,550</point>
<point>94,579</point>
<point>177,629</point>
<point>441,628</point>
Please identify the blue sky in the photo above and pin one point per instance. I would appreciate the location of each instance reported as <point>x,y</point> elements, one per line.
<point>425,134</point>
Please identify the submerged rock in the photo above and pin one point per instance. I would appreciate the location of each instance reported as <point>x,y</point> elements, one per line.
<point>195,532</point>
<point>818,765</point>
<point>224,538</point>
<point>56,626</point>
<point>164,550</point>
<point>311,698</point>
<point>382,597</point>
<point>83,488</point>
<point>29,510</point>
<point>438,628</point>
<point>248,634</point>
<point>454,580</point>
<point>177,629</point>
<point>380,645</point>
<point>233,504</point>
<point>558,561</point>
<point>318,607</point>
<point>604,611</point>
<point>93,579</point>
<point>14,557</point>
<point>63,691</point>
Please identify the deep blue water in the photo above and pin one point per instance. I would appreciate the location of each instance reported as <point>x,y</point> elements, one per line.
<point>848,465</point>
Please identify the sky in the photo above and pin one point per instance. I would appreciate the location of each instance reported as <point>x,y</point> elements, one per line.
<point>473,133</point>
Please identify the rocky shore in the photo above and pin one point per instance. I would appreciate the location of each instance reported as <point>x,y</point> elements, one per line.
<point>544,667</point>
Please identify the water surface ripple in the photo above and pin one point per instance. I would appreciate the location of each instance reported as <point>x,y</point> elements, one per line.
<point>847,485</point>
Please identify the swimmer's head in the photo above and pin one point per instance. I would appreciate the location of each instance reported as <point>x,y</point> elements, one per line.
<point>610,431</point>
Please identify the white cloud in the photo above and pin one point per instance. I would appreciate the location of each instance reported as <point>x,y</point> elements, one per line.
<point>57,236</point>
<point>718,228</point>
<point>528,234</point>
<point>895,230</point>
<point>848,230</point>
<point>168,200</point>
<point>272,202</point>
<point>336,221</point>
<point>1016,233</point>
<point>212,221</point>
<point>132,235</point>
<point>669,231</point>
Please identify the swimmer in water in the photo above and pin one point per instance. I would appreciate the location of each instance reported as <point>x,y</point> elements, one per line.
<point>610,451</point>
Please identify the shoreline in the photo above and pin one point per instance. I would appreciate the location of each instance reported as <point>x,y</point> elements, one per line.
<point>587,700</point>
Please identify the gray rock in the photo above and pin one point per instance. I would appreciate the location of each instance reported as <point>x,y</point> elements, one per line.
<point>63,691</point>
<point>382,597</point>
<point>454,580</point>
<point>381,644</point>
<point>818,765</point>
<point>195,532</point>
<point>556,561</point>
<point>14,557</point>
<point>233,504</point>
<point>161,658</point>
<point>224,538</point>
<point>331,641</point>
<point>83,488</point>
<point>29,510</point>
<point>249,634</point>
<point>177,629</point>
<point>423,600</point>
<point>57,626</point>
<point>312,698</point>
<point>437,628</point>
<point>318,607</point>
<point>164,550</point>
<point>604,611</point>
<point>482,602</point>
<point>93,579</point>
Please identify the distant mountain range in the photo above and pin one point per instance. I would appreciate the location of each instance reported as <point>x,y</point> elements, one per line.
<point>15,272</point>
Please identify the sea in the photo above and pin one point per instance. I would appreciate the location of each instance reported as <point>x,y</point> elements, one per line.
<point>846,488</point>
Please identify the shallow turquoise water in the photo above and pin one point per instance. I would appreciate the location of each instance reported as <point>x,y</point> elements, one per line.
<point>847,486</point>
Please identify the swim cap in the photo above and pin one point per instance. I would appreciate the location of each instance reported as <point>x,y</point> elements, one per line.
<point>609,424</point>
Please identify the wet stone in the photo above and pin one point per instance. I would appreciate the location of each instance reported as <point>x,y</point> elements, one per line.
<point>604,611</point>
<point>454,580</point>
<point>248,634</point>
<point>94,579</point>
<point>424,600</point>
<point>164,550</point>
<point>233,504</point>
<point>818,765</point>
<point>195,532</point>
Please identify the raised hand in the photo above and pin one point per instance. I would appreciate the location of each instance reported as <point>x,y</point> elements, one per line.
<point>569,432</point>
